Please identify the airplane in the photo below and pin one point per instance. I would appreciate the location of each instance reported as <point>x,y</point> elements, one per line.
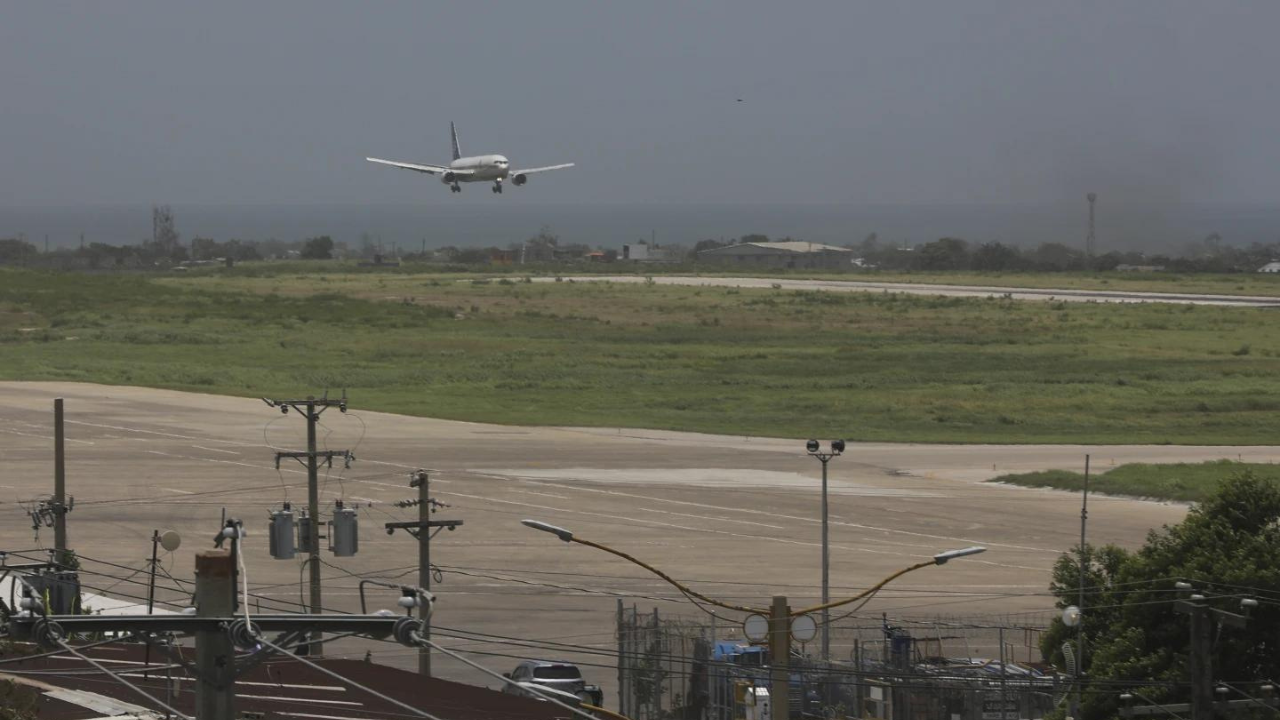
<point>479,168</point>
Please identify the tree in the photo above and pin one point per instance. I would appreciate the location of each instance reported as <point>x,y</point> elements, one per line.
<point>1228,546</point>
<point>318,248</point>
<point>944,254</point>
<point>16,251</point>
<point>995,256</point>
<point>204,248</point>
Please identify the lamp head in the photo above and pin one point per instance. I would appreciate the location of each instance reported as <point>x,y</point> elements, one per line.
<point>837,446</point>
<point>942,557</point>
<point>811,446</point>
<point>565,535</point>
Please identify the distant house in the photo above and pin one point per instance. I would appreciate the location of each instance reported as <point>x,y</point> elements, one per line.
<point>792,254</point>
<point>1271,267</point>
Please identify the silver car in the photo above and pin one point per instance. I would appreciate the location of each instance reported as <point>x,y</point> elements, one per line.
<point>555,675</point>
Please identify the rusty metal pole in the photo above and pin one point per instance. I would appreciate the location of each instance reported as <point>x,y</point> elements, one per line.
<point>59,483</point>
<point>780,658</point>
<point>215,655</point>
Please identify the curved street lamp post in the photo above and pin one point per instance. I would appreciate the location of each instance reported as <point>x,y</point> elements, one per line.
<point>780,614</point>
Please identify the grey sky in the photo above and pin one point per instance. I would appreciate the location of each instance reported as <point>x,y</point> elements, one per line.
<point>929,102</point>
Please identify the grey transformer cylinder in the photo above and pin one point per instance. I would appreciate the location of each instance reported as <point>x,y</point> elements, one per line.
<point>281,534</point>
<point>344,531</point>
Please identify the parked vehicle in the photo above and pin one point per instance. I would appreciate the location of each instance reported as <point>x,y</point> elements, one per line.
<point>560,676</point>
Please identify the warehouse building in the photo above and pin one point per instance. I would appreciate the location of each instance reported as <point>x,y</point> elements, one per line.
<point>791,254</point>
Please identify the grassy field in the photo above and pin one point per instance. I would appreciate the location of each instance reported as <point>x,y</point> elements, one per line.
<point>873,366</point>
<point>1184,482</point>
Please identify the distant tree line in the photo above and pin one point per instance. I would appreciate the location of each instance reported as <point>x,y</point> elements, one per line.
<point>165,249</point>
<point>949,253</point>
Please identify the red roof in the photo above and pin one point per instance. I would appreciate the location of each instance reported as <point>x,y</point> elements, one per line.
<point>280,688</point>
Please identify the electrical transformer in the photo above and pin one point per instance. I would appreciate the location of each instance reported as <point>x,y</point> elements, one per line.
<point>304,533</point>
<point>281,534</point>
<point>344,531</point>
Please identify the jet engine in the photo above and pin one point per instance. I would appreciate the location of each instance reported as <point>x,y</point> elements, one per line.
<point>519,179</point>
<point>448,178</point>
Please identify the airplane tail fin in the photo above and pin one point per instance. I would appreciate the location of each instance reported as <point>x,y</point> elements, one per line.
<point>457,149</point>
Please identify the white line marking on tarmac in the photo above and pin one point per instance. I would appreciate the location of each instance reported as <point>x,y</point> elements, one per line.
<point>752,523</point>
<point>797,518</point>
<point>229,452</point>
<point>150,432</point>
<point>175,490</point>
<point>45,437</point>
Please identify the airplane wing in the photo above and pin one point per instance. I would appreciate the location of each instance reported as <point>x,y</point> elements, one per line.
<point>429,169</point>
<point>542,169</point>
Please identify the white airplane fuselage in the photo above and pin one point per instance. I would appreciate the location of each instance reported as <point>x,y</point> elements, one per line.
<point>476,168</point>
<point>483,168</point>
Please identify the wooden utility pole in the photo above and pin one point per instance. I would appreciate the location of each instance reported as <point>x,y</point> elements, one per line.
<point>215,655</point>
<point>59,483</point>
<point>311,409</point>
<point>780,658</point>
<point>424,569</point>
<point>422,530</point>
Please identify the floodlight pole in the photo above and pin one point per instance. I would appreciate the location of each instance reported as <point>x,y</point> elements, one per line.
<point>824,458</point>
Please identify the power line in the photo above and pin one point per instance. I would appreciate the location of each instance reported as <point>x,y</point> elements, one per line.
<point>119,679</point>
<point>348,681</point>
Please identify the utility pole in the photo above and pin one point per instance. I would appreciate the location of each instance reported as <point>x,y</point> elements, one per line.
<point>1084,522</point>
<point>59,505</point>
<point>422,530</point>
<point>215,654</point>
<point>1092,239</point>
<point>218,631</point>
<point>312,408</point>
<point>780,658</point>
<point>1200,660</point>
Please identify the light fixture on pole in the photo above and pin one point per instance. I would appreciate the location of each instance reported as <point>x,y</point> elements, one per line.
<point>777,622</point>
<point>815,449</point>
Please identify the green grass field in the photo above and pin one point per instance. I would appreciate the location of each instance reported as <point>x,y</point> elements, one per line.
<point>868,366</point>
<point>1183,482</point>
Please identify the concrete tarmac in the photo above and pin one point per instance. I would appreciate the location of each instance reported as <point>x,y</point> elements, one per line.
<point>736,517</point>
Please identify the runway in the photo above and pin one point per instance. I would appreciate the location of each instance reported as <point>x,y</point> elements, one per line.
<point>974,291</point>
<point>737,517</point>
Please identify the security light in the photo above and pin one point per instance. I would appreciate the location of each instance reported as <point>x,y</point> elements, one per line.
<point>565,535</point>
<point>812,446</point>
<point>942,557</point>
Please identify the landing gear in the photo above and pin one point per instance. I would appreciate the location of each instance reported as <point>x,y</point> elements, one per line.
<point>455,188</point>
<point>497,187</point>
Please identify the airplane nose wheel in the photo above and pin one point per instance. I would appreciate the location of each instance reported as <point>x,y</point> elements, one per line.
<point>497,188</point>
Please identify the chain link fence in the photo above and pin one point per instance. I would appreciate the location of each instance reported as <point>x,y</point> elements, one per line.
<point>922,668</point>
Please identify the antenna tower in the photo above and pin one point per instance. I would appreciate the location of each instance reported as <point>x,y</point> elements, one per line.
<point>1091,241</point>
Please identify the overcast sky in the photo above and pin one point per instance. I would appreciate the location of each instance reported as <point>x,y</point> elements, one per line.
<point>920,102</point>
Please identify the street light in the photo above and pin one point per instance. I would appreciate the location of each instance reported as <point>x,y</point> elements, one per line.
<point>814,448</point>
<point>779,613</point>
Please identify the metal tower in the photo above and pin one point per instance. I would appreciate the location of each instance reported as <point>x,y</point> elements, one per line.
<point>1092,239</point>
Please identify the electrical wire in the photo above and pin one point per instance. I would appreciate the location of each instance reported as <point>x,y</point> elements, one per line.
<point>121,680</point>
<point>508,681</point>
<point>348,681</point>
